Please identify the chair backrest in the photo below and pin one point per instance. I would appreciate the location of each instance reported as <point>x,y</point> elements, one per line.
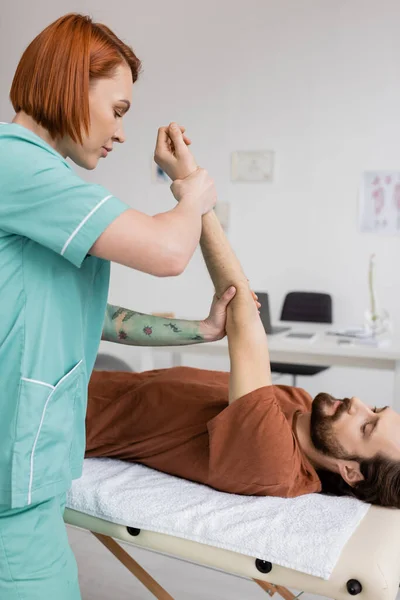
<point>109,362</point>
<point>313,307</point>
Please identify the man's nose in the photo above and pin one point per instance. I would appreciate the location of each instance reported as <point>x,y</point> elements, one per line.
<point>354,405</point>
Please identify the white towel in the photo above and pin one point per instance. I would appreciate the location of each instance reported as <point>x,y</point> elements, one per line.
<point>306,533</point>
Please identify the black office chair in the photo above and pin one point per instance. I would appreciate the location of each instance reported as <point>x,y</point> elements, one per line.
<point>311,307</point>
<point>109,362</point>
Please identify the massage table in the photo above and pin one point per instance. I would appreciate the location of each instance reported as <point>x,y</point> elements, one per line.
<point>115,500</point>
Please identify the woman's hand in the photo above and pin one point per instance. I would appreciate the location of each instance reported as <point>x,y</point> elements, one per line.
<point>213,327</point>
<point>172,153</point>
<point>189,181</point>
<point>197,188</point>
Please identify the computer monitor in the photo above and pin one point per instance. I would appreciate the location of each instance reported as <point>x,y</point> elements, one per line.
<point>265,315</point>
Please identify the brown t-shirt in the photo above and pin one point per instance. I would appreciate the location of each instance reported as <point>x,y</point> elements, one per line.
<point>179,421</point>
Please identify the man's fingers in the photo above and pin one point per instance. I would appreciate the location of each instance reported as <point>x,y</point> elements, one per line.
<point>162,143</point>
<point>162,136</point>
<point>176,136</point>
<point>187,140</point>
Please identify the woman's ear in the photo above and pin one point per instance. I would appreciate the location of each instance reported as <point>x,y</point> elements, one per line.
<point>350,471</point>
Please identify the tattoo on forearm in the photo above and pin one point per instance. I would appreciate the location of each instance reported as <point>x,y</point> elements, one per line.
<point>117,313</point>
<point>123,335</point>
<point>131,327</point>
<point>174,328</point>
<point>129,314</point>
<point>124,311</point>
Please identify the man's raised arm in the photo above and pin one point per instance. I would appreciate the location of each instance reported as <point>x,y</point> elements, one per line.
<point>248,348</point>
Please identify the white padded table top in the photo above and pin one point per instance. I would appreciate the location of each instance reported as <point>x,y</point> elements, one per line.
<point>306,534</point>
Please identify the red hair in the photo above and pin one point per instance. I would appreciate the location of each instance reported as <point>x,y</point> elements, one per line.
<point>51,83</point>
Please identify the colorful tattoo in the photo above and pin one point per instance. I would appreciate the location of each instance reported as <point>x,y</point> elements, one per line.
<point>126,326</point>
<point>117,313</point>
<point>174,328</point>
<point>129,314</point>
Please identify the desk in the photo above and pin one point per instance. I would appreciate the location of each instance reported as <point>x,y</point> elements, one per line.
<point>324,350</point>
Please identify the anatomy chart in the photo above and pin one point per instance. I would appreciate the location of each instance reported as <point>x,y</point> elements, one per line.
<point>380,202</point>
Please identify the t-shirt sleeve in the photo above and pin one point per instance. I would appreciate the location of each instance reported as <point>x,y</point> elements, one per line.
<point>44,200</point>
<point>252,447</point>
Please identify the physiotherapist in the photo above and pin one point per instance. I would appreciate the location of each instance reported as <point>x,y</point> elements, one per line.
<point>58,234</point>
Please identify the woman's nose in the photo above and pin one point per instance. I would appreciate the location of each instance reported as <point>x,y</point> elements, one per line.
<point>119,136</point>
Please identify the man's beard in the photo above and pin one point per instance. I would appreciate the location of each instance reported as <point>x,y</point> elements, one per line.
<point>321,427</point>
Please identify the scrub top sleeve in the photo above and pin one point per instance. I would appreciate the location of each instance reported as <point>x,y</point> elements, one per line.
<point>46,201</point>
<point>97,219</point>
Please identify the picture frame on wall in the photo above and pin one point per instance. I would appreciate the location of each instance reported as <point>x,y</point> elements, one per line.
<point>252,166</point>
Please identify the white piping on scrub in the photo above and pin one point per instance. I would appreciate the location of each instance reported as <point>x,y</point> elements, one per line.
<point>81,224</point>
<point>41,423</point>
<point>38,382</point>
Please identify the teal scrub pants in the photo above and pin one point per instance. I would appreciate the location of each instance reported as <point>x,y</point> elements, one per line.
<point>36,560</point>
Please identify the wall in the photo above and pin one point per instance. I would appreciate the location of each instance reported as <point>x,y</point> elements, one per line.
<point>315,81</point>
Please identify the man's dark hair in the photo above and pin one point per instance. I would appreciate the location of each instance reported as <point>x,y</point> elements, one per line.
<point>380,486</point>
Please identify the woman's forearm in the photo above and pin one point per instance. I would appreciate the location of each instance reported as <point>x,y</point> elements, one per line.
<point>125,326</point>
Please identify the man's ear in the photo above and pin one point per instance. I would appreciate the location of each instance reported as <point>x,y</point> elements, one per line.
<point>350,471</point>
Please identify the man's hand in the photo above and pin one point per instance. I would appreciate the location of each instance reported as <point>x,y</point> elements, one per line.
<point>172,153</point>
<point>213,327</point>
<point>174,157</point>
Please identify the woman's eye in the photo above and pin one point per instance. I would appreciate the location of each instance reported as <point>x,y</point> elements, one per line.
<point>117,115</point>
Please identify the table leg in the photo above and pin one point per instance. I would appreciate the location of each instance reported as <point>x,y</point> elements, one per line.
<point>176,358</point>
<point>146,359</point>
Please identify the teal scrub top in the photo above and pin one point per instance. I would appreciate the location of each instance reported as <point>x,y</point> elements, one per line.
<point>53,301</point>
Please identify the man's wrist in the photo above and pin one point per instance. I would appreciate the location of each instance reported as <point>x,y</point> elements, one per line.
<point>185,173</point>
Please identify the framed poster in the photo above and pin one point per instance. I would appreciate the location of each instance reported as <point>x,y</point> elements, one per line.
<point>379,210</point>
